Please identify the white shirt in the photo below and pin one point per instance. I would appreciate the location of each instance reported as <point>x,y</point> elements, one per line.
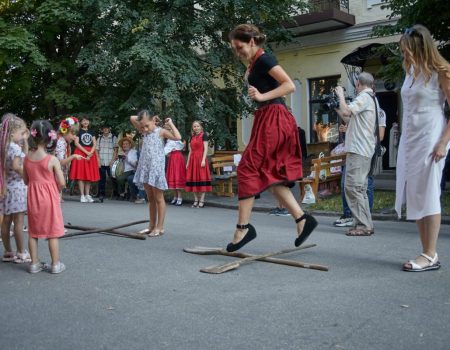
<point>130,162</point>
<point>360,137</point>
<point>172,145</point>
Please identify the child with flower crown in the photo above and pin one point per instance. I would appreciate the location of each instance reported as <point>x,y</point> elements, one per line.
<point>13,192</point>
<point>67,133</point>
<point>44,177</point>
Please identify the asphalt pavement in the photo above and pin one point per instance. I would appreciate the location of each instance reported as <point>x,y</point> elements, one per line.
<point>120,293</point>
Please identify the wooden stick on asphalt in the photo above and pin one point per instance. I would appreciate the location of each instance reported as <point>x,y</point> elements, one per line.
<point>221,251</point>
<point>110,232</point>
<point>235,264</point>
<point>100,230</point>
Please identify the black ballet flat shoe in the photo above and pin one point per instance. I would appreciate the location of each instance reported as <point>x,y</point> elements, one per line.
<point>249,236</point>
<point>309,227</point>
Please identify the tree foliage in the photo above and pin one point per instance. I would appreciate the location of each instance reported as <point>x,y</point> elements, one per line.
<point>433,14</point>
<point>108,58</point>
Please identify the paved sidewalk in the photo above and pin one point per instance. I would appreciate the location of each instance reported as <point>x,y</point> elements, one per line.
<point>384,182</point>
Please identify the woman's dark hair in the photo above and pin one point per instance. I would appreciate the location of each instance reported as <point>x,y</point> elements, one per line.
<point>145,113</point>
<point>42,133</point>
<point>247,32</point>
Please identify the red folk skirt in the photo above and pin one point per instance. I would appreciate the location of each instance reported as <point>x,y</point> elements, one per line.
<point>176,171</point>
<point>273,155</point>
<point>198,178</point>
<point>84,170</point>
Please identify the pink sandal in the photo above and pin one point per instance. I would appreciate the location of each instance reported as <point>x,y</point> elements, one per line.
<point>9,257</point>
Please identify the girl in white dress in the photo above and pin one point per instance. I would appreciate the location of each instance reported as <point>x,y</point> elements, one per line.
<point>424,141</point>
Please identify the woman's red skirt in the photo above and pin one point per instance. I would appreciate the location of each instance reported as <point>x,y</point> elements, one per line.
<point>198,178</point>
<point>176,171</point>
<point>85,170</point>
<point>273,154</point>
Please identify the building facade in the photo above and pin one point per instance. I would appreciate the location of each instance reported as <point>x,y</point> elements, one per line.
<point>333,30</point>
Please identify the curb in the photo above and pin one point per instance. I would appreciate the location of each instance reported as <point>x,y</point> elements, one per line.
<point>445,220</point>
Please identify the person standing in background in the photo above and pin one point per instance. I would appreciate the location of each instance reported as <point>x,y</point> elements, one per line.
<point>424,141</point>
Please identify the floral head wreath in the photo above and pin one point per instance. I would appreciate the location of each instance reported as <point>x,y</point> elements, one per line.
<point>66,124</point>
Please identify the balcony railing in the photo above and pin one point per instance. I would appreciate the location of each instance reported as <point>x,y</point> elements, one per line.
<point>322,16</point>
<point>323,5</point>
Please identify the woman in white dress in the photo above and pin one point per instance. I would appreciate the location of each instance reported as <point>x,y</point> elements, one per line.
<point>424,141</point>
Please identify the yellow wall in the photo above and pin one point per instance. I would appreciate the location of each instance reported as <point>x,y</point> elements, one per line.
<point>305,64</point>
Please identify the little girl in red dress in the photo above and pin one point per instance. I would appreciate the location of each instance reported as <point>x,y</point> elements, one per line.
<point>44,177</point>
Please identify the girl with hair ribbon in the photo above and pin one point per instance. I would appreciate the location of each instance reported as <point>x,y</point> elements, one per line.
<point>44,177</point>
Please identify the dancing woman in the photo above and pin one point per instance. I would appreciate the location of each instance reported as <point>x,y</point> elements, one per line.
<point>272,159</point>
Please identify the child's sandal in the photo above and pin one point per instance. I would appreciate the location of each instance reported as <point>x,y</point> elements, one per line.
<point>9,257</point>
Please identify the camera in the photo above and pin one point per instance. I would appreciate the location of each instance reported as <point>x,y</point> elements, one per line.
<point>330,102</point>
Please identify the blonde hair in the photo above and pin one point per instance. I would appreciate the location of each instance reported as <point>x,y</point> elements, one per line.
<point>421,53</point>
<point>192,127</point>
<point>10,123</point>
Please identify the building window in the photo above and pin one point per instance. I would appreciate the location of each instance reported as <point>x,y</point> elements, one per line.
<point>324,123</point>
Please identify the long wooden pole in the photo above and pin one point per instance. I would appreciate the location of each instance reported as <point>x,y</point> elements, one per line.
<point>221,251</point>
<point>236,264</point>
<point>103,230</point>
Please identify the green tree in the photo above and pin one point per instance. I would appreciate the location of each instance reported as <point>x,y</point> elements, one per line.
<point>108,58</point>
<point>433,14</point>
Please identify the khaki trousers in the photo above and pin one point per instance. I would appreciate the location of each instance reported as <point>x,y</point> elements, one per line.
<point>357,169</point>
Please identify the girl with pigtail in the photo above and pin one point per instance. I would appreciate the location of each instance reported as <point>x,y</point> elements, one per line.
<point>45,179</point>
<point>13,192</point>
<point>150,173</point>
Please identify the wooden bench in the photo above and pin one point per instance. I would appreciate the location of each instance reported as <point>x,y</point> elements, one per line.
<point>318,164</point>
<point>224,179</point>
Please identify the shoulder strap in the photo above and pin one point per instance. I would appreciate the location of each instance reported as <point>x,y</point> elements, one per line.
<point>377,128</point>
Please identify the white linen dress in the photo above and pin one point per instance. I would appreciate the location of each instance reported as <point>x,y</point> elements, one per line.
<point>418,176</point>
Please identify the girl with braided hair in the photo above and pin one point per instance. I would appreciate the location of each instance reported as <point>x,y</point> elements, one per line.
<point>13,192</point>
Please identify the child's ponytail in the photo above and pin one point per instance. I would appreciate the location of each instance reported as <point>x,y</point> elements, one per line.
<point>42,133</point>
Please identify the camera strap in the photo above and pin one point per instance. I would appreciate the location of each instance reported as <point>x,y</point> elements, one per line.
<point>377,128</point>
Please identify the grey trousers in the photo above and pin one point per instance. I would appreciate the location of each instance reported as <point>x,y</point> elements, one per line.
<point>357,169</point>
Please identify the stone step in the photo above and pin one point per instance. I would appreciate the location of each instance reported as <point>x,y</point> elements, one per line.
<point>386,175</point>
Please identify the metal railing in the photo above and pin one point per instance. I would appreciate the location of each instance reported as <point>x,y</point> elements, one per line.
<point>323,5</point>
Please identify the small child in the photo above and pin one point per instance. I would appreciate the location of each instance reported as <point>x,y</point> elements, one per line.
<point>67,133</point>
<point>176,169</point>
<point>13,196</point>
<point>44,177</point>
<point>150,170</point>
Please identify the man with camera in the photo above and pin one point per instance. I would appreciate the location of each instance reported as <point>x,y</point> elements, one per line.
<point>360,143</point>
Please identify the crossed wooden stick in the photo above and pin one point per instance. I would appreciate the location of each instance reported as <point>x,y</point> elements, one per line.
<point>108,230</point>
<point>247,258</point>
